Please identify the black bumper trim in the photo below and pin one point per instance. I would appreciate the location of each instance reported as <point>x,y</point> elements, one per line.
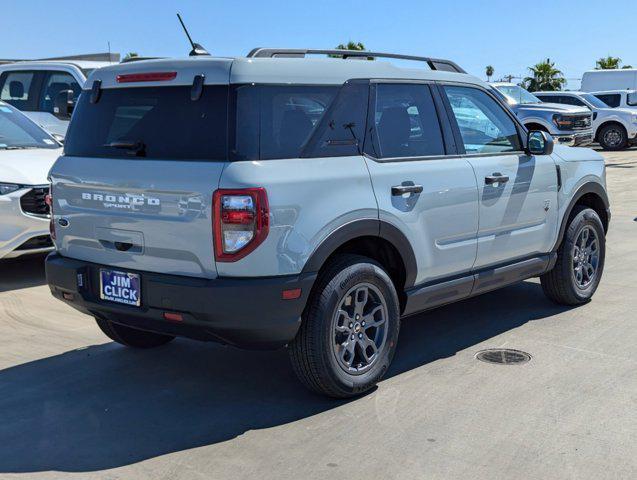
<point>245,312</point>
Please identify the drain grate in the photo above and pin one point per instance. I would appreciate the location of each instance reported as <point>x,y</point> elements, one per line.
<point>503,356</point>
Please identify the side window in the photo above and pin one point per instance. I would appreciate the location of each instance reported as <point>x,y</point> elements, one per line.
<point>276,121</point>
<point>569,100</point>
<point>55,83</point>
<point>612,100</point>
<point>484,125</point>
<point>405,122</point>
<point>549,99</point>
<point>16,89</point>
<point>632,99</point>
<point>342,129</point>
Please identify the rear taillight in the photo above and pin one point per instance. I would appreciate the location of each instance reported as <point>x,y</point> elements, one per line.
<point>48,199</point>
<point>241,220</point>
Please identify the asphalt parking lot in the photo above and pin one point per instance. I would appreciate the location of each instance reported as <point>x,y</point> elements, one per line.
<point>73,402</point>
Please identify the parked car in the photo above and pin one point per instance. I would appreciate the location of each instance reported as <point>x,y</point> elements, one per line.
<point>568,125</point>
<point>620,79</point>
<point>45,90</point>
<point>310,202</point>
<point>613,128</point>
<point>27,153</point>
<point>618,98</point>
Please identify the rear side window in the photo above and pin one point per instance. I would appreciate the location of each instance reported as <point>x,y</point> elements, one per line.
<point>405,122</point>
<point>16,89</point>
<point>152,122</point>
<point>276,121</point>
<point>484,125</point>
<point>632,99</point>
<point>612,100</point>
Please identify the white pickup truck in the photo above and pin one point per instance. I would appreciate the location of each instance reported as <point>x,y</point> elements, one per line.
<point>46,90</point>
<point>613,128</point>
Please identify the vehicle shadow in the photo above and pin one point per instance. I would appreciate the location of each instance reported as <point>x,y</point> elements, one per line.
<point>22,272</point>
<point>106,406</point>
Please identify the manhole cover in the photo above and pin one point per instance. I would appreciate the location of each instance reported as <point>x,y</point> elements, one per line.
<point>504,356</point>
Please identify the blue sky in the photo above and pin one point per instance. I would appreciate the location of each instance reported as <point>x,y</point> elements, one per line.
<point>510,35</point>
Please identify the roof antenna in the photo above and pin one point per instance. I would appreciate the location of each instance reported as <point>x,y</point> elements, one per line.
<point>196,48</point>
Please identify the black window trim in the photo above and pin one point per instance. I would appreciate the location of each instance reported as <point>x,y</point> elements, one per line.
<point>449,142</point>
<point>521,129</point>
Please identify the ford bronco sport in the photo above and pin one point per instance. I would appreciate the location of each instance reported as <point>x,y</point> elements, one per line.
<point>284,200</point>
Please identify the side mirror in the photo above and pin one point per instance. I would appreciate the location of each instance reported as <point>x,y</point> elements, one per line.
<point>63,104</point>
<point>539,143</point>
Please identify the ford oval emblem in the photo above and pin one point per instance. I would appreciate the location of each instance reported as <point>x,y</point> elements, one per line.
<point>63,222</point>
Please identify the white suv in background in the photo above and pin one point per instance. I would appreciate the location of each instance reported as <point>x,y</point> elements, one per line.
<point>27,153</point>
<point>46,90</point>
<point>613,128</point>
<point>618,98</point>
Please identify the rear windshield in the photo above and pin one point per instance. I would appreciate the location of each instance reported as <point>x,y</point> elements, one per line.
<point>151,122</point>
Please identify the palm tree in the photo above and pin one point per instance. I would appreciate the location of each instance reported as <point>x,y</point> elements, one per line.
<point>131,55</point>
<point>544,77</point>
<point>357,46</point>
<point>489,71</point>
<point>610,63</point>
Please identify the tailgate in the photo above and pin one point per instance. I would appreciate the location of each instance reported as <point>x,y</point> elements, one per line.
<point>150,215</point>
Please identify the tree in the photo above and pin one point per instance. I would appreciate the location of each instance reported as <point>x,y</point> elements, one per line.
<point>610,63</point>
<point>356,46</point>
<point>131,55</point>
<point>544,77</point>
<point>489,71</point>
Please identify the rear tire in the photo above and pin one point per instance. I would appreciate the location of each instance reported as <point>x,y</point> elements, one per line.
<point>131,337</point>
<point>613,137</point>
<point>350,328</point>
<point>580,260</point>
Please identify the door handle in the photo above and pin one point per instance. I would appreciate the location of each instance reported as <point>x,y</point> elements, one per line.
<point>398,190</point>
<point>496,178</point>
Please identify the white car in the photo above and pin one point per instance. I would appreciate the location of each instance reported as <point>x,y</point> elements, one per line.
<point>46,90</point>
<point>613,128</point>
<point>27,153</point>
<point>618,98</point>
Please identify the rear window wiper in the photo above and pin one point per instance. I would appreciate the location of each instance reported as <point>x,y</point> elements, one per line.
<point>133,148</point>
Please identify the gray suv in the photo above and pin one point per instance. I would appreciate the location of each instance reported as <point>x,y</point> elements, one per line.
<point>311,203</point>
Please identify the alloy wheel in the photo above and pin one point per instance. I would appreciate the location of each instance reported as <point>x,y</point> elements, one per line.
<point>359,328</point>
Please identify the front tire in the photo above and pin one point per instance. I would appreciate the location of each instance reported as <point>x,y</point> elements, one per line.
<point>350,328</point>
<point>613,137</point>
<point>580,260</point>
<point>131,337</point>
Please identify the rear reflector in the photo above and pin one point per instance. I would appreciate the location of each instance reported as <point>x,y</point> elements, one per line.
<point>291,294</point>
<point>146,77</point>
<point>173,317</point>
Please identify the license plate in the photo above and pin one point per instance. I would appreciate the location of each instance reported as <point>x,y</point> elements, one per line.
<point>120,287</point>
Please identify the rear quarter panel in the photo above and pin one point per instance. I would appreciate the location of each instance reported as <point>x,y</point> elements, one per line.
<point>309,198</point>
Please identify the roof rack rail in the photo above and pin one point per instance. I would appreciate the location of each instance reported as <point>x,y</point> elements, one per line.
<point>434,63</point>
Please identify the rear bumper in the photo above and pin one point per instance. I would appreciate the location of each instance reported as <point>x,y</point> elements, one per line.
<point>245,312</point>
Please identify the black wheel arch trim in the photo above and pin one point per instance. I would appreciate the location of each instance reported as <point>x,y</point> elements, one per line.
<point>589,187</point>
<point>365,228</point>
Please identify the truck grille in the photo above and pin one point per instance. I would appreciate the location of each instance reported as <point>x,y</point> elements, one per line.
<point>33,202</point>
<point>580,122</point>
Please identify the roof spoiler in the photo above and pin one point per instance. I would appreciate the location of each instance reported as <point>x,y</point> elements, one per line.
<point>434,63</point>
